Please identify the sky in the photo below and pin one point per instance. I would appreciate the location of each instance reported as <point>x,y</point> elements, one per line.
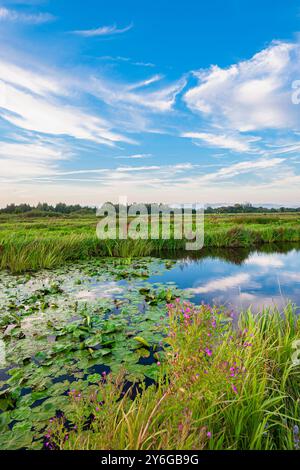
<point>177,102</point>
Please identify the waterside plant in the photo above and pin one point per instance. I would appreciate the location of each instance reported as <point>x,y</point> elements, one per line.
<point>221,386</point>
<point>32,246</point>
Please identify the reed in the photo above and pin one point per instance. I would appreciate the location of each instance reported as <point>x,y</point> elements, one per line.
<point>35,245</point>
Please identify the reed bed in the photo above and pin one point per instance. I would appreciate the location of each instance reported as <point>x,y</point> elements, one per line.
<point>29,246</point>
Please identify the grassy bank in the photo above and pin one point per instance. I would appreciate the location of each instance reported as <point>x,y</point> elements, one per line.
<point>39,243</point>
<point>220,387</point>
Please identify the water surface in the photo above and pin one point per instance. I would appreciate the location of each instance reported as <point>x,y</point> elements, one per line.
<point>239,279</point>
<point>61,329</point>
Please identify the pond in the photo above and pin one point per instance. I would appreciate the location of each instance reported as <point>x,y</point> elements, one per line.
<point>62,329</point>
<point>239,279</point>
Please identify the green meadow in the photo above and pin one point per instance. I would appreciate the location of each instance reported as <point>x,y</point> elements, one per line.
<point>32,243</point>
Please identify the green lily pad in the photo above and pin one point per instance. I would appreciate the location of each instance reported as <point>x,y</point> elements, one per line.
<point>141,341</point>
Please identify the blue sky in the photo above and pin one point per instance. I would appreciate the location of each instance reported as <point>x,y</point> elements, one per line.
<point>158,101</point>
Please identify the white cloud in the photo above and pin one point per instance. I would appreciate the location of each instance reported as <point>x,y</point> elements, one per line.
<point>222,284</point>
<point>136,176</point>
<point>145,82</point>
<point>169,170</point>
<point>28,103</point>
<point>27,159</point>
<point>161,100</point>
<point>138,168</point>
<point>134,156</point>
<point>231,142</point>
<point>126,59</point>
<point>246,297</point>
<point>293,147</point>
<point>243,167</point>
<point>254,94</point>
<point>265,261</point>
<point>295,277</point>
<point>20,17</point>
<point>102,110</point>
<point>33,151</point>
<point>21,168</point>
<point>103,31</point>
<point>38,83</point>
<point>39,115</point>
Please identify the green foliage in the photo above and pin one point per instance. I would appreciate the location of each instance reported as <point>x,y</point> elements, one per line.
<point>57,342</point>
<point>220,387</point>
<point>54,338</point>
<point>30,244</point>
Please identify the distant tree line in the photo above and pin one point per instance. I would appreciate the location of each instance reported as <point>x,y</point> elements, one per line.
<point>248,209</point>
<point>62,208</point>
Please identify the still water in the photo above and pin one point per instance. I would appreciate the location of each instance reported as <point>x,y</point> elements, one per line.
<point>240,278</point>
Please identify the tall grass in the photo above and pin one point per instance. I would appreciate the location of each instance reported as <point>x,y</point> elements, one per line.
<point>36,245</point>
<point>25,254</point>
<point>31,254</point>
<point>220,387</point>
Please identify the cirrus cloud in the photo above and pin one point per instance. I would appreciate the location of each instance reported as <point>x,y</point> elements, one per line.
<point>28,18</point>
<point>231,142</point>
<point>103,31</point>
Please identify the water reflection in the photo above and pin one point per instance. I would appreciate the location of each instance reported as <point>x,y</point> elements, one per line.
<point>240,278</point>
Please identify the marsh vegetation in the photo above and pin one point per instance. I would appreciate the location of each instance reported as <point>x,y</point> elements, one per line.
<point>45,243</point>
<point>104,349</point>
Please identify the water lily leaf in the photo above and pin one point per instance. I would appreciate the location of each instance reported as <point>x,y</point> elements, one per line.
<point>108,343</point>
<point>22,427</point>
<point>142,352</point>
<point>21,413</point>
<point>94,378</point>
<point>102,352</point>
<point>35,445</point>
<point>39,395</point>
<point>15,440</point>
<point>4,421</point>
<point>6,402</point>
<point>142,341</point>
<point>93,341</point>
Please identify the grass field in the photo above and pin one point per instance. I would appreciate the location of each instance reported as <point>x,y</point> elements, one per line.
<point>28,243</point>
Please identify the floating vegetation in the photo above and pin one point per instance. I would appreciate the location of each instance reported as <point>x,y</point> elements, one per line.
<point>80,337</point>
<point>56,335</point>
